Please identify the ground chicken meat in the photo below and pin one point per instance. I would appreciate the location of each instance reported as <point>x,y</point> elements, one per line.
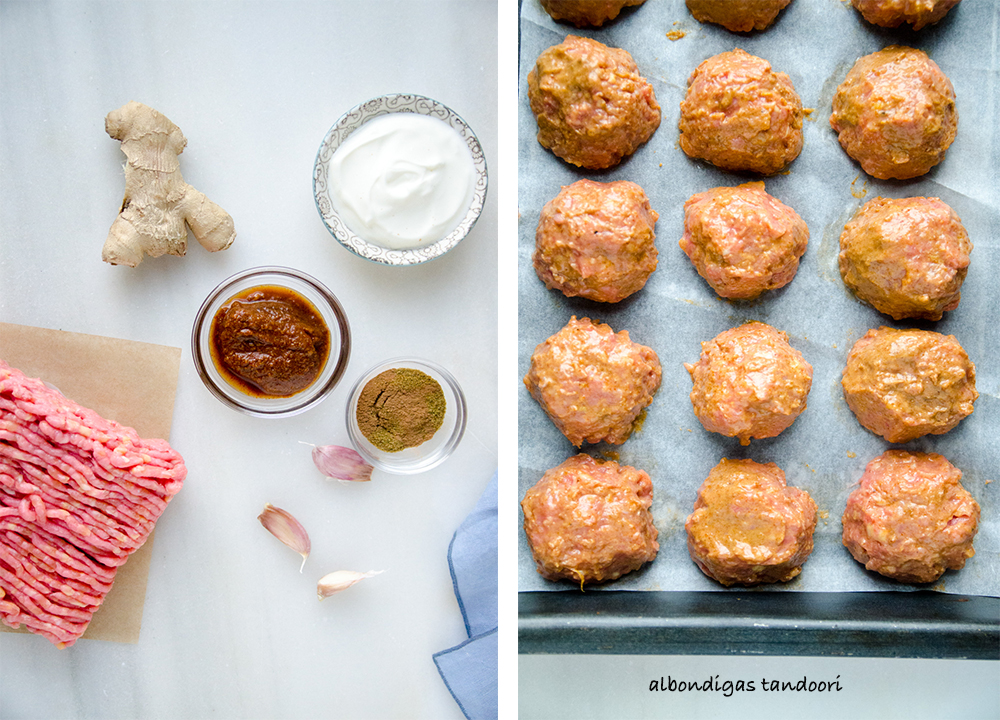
<point>592,106</point>
<point>740,115</point>
<point>596,240</point>
<point>737,15</point>
<point>906,257</point>
<point>910,518</point>
<point>742,240</point>
<point>904,384</point>
<point>589,521</point>
<point>584,13</point>
<point>893,13</point>
<point>748,526</point>
<point>593,382</point>
<point>749,383</point>
<point>895,113</point>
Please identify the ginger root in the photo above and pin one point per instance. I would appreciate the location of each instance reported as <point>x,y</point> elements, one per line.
<point>157,200</point>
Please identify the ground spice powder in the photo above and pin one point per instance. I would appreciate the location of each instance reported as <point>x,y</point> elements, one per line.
<point>400,408</point>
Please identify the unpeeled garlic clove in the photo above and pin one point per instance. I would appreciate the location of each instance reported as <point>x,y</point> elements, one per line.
<point>341,463</point>
<point>286,528</point>
<point>340,580</point>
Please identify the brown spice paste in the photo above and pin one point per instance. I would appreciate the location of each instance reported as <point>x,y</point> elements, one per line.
<point>269,341</point>
<point>400,408</point>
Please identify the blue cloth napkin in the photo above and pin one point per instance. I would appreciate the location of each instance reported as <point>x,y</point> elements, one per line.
<point>469,669</point>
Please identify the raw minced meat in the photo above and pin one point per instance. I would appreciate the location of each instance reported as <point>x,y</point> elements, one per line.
<point>592,106</point>
<point>904,384</point>
<point>593,382</point>
<point>749,382</point>
<point>907,257</point>
<point>895,113</point>
<point>910,518</point>
<point>586,13</point>
<point>740,115</point>
<point>737,15</point>
<point>596,240</point>
<point>749,526</point>
<point>78,495</point>
<point>742,240</point>
<point>589,521</point>
<point>893,13</point>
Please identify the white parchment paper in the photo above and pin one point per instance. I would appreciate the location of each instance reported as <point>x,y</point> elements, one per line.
<point>826,450</point>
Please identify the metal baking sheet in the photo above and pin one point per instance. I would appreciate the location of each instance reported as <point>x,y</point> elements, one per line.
<point>825,451</point>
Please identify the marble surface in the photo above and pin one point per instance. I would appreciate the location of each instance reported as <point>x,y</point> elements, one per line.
<point>231,628</point>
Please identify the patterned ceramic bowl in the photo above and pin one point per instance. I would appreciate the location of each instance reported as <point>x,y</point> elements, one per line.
<point>354,119</point>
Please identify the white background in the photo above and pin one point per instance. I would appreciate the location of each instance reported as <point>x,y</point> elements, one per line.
<point>231,629</point>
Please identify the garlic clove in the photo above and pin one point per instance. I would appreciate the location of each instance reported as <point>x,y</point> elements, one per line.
<point>341,463</point>
<point>340,580</point>
<point>286,528</point>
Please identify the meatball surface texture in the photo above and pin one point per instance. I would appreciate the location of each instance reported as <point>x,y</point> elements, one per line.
<point>904,384</point>
<point>749,527</point>
<point>592,382</point>
<point>749,382</point>
<point>739,115</point>
<point>586,13</point>
<point>596,240</point>
<point>895,113</point>
<point>591,104</point>
<point>742,240</point>
<point>893,13</point>
<point>910,519</point>
<point>589,521</point>
<point>907,258</point>
<point>737,15</point>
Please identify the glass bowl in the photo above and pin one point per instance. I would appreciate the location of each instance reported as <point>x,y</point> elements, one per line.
<point>324,301</point>
<point>429,454</point>
<point>351,121</point>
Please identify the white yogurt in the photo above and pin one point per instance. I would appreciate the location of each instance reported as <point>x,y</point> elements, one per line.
<point>402,180</point>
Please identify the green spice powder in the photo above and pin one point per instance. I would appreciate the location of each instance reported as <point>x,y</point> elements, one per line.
<point>400,408</point>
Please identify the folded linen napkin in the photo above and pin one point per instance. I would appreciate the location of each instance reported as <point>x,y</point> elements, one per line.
<point>469,669</point>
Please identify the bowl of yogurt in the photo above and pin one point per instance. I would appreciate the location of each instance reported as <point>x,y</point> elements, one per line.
<point>400,179</point>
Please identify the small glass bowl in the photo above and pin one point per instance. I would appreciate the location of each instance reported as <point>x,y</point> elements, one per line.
<point>316,293</point>
<point>429,454</point>
<point>351,121</point>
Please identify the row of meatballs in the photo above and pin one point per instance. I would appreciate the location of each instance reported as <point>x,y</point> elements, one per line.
<point>894,113</point>
<point>749,382</point>
<point>909,519</point>
<point>748,15</point>
<point>907,257</point>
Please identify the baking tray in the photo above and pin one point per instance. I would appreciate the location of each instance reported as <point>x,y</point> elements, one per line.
<point>825,613</point>
<point>898,625</point>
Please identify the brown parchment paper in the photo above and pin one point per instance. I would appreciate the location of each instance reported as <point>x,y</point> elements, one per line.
<point>129,382</point>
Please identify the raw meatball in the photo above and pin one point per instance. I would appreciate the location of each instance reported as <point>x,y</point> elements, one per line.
<point>904,384</point>
<point>748,526</point>
<point>589,521</point>
<point>739,115</point>
<point>749,382</point>
<point>596,240</point>
<point>583,13</point>
<point>592,106</point>
<point>895,113</point>
<point>906,257</point>
<point>593,382</point>
<point>893,13</point>
<point>737,15</point>
<point>910,519</point>
<point>742,240</point>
